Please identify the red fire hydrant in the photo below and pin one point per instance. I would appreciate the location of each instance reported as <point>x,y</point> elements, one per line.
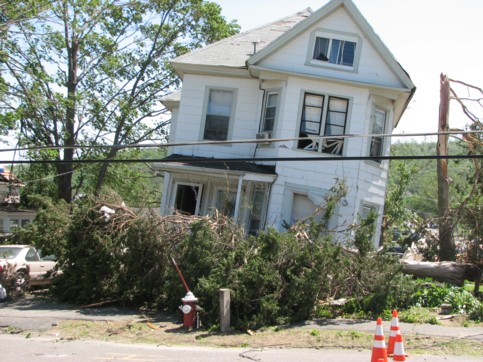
<point>190,310</point>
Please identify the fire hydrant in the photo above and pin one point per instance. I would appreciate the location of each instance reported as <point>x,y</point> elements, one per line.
<point>190,310</point>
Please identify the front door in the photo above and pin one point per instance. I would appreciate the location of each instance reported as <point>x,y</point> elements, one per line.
<point>188,198</point>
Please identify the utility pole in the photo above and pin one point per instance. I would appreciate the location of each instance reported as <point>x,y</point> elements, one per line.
<point>447,250</point>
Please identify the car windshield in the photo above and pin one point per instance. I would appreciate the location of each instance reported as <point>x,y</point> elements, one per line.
<point>7,252</point>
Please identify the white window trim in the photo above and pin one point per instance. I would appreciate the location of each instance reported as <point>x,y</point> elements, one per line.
<point>325,110</point>
<point>385,130</point>
<point>338,35</point>
<point>370,205</point>
<point>264,110</point>
<point>205,110</point>
<point>263,210</point>
<point>314,194</point>
<point>175,191</point>
<point>214,200</point>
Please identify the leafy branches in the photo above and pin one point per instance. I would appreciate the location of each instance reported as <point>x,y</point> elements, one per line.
<point>93,72</point>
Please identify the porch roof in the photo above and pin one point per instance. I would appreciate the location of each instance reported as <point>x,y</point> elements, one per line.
<point>209,164</point>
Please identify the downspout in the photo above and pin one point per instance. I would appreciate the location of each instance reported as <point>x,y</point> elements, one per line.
<point>261,113</point>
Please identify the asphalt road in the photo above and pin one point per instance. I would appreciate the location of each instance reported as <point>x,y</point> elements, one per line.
<point>34,313</point>
<point>19,348</point>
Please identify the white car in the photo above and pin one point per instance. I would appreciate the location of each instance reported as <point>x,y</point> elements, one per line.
<point>27,264</point>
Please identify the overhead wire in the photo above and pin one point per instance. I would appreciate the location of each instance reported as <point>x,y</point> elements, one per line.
<point>240,141</point>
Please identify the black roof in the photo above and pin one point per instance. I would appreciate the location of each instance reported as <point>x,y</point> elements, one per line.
<point>206,162</point>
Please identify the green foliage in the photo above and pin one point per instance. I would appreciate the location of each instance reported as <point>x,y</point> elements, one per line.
<point>48,231</point>
<point>417,314</point>
<point>364,234</point>
<point>92,73</point>
<point>274,277</point>
<point>433,295</point>
<point>380,286</point>
<point>136,183</point>
<point>396,213</point>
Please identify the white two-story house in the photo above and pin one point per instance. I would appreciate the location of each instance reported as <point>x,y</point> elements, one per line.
<point>318,90</point>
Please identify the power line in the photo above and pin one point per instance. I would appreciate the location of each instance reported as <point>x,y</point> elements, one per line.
<point>230,142</point>
<point>181,159</point>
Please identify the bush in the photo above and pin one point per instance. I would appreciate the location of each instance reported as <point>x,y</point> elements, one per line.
<point>433,295</point>
<point>274,277</point>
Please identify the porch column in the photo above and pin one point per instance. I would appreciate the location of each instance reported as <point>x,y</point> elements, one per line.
<point>165,194</point>
<point>238,197</point>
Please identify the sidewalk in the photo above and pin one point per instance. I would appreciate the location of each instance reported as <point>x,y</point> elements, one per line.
<point>39,313</point>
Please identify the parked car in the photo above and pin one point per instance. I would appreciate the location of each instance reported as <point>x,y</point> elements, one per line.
<point>27,263</point>
<point>395,250</point>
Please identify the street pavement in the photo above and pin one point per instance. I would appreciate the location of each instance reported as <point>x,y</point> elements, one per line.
<point>34,313</point>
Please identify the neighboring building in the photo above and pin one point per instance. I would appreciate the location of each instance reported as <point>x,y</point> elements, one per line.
<point>10,213</point>
<point>319,75</point>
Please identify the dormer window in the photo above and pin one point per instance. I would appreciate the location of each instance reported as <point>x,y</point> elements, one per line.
<point>330,49</point>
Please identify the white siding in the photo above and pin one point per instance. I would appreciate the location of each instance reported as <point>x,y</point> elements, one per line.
<point>289,74</point>
<point>372,69</point>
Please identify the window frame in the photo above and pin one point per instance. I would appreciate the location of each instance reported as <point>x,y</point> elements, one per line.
<point>226,192</point>
<point>205,113</point>
<point>263,121</point>
<point>332,36</point>
<point>382,140</point>
<point>262,208</point>
<point>326,145</point>
<point>370,206</point>
<point>175,194</point>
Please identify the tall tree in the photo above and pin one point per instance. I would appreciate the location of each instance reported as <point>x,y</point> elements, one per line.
<point>92,72</point>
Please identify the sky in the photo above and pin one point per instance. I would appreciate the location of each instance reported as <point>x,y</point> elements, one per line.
<point>427,37</point>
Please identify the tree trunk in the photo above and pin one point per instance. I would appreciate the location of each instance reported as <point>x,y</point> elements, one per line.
<point>447,250</point>
<point>103,171</point>
<point>445,271</point>
<point>65,169</point>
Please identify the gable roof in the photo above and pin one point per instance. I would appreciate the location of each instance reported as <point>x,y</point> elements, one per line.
<point>323,12</point>
<point>236,50</point>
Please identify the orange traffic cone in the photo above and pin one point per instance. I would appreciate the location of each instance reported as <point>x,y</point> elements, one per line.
<point>399,354</point>
<point>394,331</point>
<point>379,350</point>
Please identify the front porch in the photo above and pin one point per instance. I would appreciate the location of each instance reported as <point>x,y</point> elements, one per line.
<point>199,186</point>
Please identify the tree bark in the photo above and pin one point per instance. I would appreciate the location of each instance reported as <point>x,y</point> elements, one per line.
<point>65,169</point>
<point>447,250</point>
<point>446,272</point>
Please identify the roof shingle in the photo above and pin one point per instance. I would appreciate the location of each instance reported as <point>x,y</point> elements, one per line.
<point>234,51</point>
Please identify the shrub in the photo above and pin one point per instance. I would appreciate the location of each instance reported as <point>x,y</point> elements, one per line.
<point>274,277</point>
<point>432,295</point>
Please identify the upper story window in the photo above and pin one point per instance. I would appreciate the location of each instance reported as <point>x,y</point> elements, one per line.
<point>333,49</point>
<point>218,114</point>
<point>321,117</point>
<point>269,112</point>
<point>378,128</point>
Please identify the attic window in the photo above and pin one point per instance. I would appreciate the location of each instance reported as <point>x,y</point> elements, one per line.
<point>334,50</point>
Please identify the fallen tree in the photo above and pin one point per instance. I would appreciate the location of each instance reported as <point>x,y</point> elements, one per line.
<point>444,271</point>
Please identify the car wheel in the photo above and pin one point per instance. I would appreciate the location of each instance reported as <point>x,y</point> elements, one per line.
<point>21,281</point>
